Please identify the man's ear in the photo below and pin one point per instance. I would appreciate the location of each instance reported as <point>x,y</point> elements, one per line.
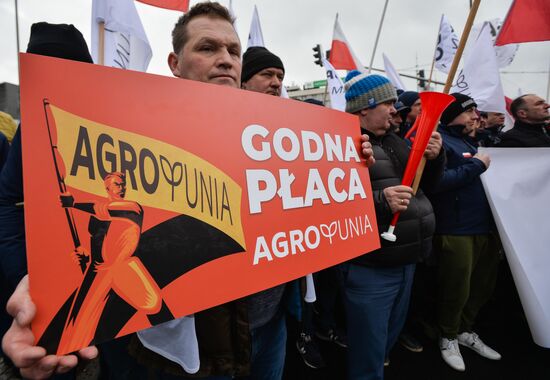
<point>243,85</point>
<point>363,112</point>
<point>173,61</point>
<point>521,113</point>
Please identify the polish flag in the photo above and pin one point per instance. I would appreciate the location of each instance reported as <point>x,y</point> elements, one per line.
<point>342,56</point>
<point>176,5</point>
<point>526,21</point>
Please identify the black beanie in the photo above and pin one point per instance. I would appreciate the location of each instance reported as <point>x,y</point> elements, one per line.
<point>461,104</point>
<point>58,40</point>
<point>257,58</point>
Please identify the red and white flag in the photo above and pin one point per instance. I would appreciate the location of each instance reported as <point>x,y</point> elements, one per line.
<point>342,56</point>
<point>526,21</point>
<point>176,5</point>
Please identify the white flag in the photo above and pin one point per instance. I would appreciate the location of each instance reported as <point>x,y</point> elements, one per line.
<point>480,78</point>
<point>447,43</point>
<point>392,74</point>
<point>125,44</point>
<point>517,184</point>
<point>335,88</point>
<point>255,37</point>
<point>505,54</point>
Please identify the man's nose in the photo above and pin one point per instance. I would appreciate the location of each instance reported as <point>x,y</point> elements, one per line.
<point>225,59</point>
<point>276,82</point>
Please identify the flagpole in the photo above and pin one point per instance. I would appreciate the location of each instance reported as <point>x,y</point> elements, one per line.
<point>435,49</point>
<point>101,48</point>
<point>17,35</point>
<point>378,35</point>
<point>450,77</point>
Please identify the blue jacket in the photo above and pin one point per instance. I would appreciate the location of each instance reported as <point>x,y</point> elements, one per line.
<point>458,199</point>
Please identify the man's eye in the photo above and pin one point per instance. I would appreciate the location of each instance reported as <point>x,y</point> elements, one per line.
<point>207,48</point>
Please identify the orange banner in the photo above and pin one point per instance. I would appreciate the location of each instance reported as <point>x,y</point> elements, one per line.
<point>149,198</point>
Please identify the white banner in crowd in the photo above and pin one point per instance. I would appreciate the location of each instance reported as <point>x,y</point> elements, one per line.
<point>505,54</point>
<point>335,88</point>
<point>447,43</point>
<point>480,78</point>
<point>392,74</point>
<point>125,43</point>
<point>517,185</point>
<point>255,37</point>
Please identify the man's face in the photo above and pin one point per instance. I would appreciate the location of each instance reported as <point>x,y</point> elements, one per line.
<point>416,108</point>
<point>494,119</point>
<point>116,188</point>
<point>535,110</point>
<point>267,81</point>
<point>467,118</point>
<point>212,53</point>
<point>396,120</point>
<point>377,120</point>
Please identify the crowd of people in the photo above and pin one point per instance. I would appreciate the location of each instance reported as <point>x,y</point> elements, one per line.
<point>446,225</point>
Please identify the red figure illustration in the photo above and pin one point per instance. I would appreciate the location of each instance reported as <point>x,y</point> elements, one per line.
<point>115,230</point>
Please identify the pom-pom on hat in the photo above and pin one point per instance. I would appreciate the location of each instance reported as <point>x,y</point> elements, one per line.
<point>367,91</point>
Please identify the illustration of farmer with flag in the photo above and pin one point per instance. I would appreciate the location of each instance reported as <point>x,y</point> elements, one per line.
<point>115,230</point>
<point>124,265</point>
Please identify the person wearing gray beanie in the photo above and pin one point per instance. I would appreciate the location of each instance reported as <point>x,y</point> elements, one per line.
<point>374,322</point>
<point>262,71</point>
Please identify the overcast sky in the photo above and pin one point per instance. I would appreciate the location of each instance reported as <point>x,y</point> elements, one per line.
<point>292,27</point>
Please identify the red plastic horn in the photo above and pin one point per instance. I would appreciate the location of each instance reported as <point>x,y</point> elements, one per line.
<point>433,105</point>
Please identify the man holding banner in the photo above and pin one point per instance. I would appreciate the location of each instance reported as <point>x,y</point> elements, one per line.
<point>206,49</point>
<point>377,285</point>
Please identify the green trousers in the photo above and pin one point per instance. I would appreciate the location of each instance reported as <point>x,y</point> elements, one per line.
<point>466,276</point>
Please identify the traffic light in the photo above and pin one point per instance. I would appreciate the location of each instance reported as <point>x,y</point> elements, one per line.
<point>318,55</point>
<point>421,82</point>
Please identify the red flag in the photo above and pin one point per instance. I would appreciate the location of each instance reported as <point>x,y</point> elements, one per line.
<point>341,53</point>
<point>177,5</point>
<point>526,21</point>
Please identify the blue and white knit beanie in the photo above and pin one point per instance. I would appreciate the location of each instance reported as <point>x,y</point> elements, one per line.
<point>367,91</point>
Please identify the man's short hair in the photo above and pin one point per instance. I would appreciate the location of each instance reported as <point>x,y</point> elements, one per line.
<point>518,104</point>
<point>206,8</point>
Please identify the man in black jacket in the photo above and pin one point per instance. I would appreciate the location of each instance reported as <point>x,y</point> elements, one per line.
<point>531,126</point>
<point>377,285</point>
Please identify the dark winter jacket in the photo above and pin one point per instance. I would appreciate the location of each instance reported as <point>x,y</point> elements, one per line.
<point>525,135</point>
<point>13,261</point>
<point>459,201</point>
<point>416,226</point>
<point>488,137</point>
